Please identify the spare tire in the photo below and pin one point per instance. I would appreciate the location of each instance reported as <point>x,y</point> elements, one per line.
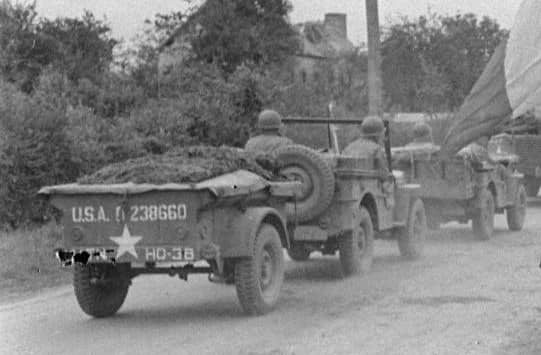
<point>303,164</point>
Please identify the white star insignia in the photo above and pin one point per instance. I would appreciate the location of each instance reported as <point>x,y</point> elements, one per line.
<point>126,243</point>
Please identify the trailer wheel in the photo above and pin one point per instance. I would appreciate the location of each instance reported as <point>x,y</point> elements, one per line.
<point>259,278</point>
<point>357,249</point>
<point>517,213</point>
<point>100,291</point>
<point>298,252</point>
<point>411,238</point>
<point>316,175</point>
<point>483,220</point>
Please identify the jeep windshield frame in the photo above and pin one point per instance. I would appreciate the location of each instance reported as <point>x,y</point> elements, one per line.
<point>343,121</point>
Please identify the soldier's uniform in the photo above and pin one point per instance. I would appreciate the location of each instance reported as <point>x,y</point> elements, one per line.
<point>368,146</point>
<point>269,124</point>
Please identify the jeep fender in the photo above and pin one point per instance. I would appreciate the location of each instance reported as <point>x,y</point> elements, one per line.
<point>237,233</point>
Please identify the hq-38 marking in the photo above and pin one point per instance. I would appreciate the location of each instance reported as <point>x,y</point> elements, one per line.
<point>136,213</point>
<point>175,254</point>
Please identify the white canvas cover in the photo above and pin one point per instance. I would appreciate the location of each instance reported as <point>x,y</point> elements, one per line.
<point>523,59</point>
<point>509,86</point>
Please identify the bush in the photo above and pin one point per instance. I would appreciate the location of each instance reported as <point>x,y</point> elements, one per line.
<point>36,152</point>
<point>27,260</point>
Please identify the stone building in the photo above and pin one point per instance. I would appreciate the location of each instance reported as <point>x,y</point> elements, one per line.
<point>319,41</point>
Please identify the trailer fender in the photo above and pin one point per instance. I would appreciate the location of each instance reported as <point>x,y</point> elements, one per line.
<point>238,236</point>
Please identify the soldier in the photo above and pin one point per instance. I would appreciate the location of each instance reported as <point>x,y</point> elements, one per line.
<point>477,152</point>
<point>422,144</point>
<point>422,135</point>
<point>369,145</point>
<point>269,124</point>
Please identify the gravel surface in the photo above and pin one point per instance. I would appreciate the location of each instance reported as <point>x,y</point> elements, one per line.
<point>463,297</point>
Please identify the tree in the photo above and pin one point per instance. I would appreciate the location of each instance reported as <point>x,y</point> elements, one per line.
<point>23,50</point>
<point>79,48</point>
<point>431,63</point>
<point>84,47</point>
<point>230,33</point>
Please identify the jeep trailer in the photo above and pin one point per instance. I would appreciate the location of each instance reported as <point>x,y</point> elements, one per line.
<point>231,227</point>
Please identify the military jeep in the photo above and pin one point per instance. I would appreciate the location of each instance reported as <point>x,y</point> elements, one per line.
<point>344,203</point>
<point>467,187</point>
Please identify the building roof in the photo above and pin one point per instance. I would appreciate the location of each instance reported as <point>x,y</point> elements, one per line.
<point>320,41</point>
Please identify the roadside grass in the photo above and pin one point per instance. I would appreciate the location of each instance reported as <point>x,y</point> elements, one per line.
<point>27,261</point>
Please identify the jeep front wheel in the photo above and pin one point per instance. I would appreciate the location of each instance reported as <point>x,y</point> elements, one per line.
<point>259,278</point>
<point>411,238</point>
<point>483,221</point>
<point>532,186</point>
<point>516,214</point>
<point>356,248</point>
<point>100,290</point>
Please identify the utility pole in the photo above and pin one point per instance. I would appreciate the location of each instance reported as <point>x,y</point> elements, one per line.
<point>375,102</point>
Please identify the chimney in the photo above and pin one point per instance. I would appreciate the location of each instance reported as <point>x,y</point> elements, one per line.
<point>336,23</point>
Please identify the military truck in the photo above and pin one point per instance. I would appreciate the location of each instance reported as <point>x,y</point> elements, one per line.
<point>526,143</point>
<point>344,203</point>
<point>463,189</point>
<point>232,227</point>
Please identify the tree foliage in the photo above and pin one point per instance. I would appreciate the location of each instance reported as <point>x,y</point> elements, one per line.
<point>84,48</point>
<point>432,62</point>
<point>78,47</point>
<point>230,33</point>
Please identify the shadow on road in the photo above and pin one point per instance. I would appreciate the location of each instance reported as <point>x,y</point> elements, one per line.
<point>217,309</point>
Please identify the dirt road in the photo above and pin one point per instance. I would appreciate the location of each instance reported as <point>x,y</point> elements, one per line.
<point>463,297</point>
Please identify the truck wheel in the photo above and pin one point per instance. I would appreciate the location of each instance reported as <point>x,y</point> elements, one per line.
<point>307,166</point>
<point>99,292</point>
<point>411,238</point>
<point>299,252</point>
<point>259,278</point>
<point>532,186</point>
<point>357,249</point>
<point>483,221</point>
<point>517,213</point>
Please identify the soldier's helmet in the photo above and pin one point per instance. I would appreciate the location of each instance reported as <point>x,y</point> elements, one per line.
<point>372,126</point>
<point>269,120</point>
<point>422,131</point>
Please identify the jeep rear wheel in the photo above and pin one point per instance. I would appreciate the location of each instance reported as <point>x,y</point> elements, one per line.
<point>357,248</point>
<point>516,214</point>
<point>483,221</point>
<point>259,278</point>
<point>100,290</point>
<point>411,238</point>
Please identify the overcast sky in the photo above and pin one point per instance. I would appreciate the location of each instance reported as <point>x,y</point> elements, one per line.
<point>126,17</point>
